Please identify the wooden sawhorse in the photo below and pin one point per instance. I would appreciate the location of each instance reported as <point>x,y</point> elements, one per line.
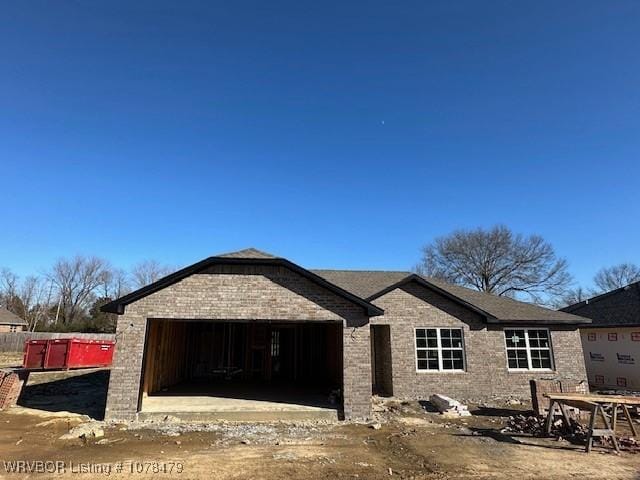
<point>595,404</point>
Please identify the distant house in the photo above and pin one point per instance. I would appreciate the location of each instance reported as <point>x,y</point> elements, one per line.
<point>10,322</point>
<point>611,344</point>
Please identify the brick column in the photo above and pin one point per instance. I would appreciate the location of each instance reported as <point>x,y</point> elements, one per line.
<point>124,381</point>
<point>356,351</point>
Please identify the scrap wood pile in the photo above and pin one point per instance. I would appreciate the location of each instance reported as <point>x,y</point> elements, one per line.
<point>629,444</point>
<point>535,425</point>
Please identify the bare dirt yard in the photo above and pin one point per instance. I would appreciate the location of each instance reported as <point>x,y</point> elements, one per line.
<point>10,359</point>
<point>406,441</point>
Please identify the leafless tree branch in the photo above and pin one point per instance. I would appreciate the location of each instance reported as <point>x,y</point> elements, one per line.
<point>500,262</point>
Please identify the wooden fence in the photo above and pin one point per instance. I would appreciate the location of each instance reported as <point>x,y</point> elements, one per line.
<point>14,342</point>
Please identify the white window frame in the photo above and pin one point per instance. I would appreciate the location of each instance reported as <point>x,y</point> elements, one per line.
<point>439,349</point>
<point>528,350</point>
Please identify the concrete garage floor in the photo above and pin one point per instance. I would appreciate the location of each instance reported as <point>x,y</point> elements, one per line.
<point>239,401</point>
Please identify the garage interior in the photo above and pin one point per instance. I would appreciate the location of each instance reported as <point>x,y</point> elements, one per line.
<point>228,368</point>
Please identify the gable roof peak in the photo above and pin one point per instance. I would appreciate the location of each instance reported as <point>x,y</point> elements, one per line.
<point>247,253</point>
<point>248,256</point>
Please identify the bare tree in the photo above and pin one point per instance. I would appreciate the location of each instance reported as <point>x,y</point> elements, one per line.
<point>500,262</point>
<point>574,295</point>
<point>77,280</point>
<point>114,284</point>
<point>148,271</point>
<point>8,289</point>
<point>618,276</point>
<point>75,289</point>
<point>26,298</point>
<point>35,300</point>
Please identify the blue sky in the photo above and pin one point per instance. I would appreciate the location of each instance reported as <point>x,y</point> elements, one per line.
<point>337,134</point>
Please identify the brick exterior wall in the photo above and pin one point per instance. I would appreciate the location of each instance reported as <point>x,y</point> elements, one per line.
<point>486,372</point>
<point>241,293</point>
<point>357,372</point>
<point>237,292</point>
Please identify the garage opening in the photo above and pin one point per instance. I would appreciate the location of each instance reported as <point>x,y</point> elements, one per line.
<point>239,368</point>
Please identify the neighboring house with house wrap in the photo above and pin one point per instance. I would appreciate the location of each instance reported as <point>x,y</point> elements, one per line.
<point>248,327</point>
<point>10,322</point>
<point>611,343</point>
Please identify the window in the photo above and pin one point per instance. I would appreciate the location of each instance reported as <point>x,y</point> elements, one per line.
<point>600,379</point>
<point>528,349</point>
<point>439,349</point>
<point>613,337</point>
<point>621,381</point>
<point>591,337</point>
<point>635,336</point>
<point>13,328</point>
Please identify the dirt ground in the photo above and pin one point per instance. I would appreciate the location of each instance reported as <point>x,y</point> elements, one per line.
<point>10,359</point>
<point>409,442</point>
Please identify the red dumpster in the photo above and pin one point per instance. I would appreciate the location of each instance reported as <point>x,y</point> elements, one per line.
<point>68,353</point>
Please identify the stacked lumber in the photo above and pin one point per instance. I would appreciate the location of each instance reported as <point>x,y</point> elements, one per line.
<point>448,406</point>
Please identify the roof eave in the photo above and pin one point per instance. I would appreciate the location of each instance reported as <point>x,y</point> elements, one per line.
<point>499,321</point>
<point>615,325</point>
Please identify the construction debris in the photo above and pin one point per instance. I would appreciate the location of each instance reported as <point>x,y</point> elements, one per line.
<point>449,407</point>
<point>535,425</point>
<point>85,431</point>
<point>11,383</point>
<point>247,433</point>
<point>629,442</point>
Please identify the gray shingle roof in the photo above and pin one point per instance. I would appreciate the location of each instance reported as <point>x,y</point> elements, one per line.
<point>620,307</point>
<point>363,283</point>
<point>364,286</point>
<point>504,308</point>
<point>368,284</point>
<point>247,253</point>
<point>8,318</point>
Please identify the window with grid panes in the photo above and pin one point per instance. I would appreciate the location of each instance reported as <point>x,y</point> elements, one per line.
<point>528,349</point>
<point>439,349</point>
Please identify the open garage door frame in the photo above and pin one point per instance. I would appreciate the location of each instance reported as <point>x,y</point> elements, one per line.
<point>258,352</point>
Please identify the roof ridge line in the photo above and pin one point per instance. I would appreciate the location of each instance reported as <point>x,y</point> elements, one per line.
<point>408,272</point>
